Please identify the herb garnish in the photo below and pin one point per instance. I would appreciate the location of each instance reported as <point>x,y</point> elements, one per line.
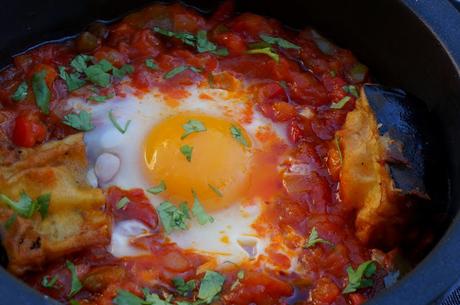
<point>26,207</point>
<point>122,130</point>
<point>122,203</point>
<point>211,286</point>
<point>72,80</point>
<point>186,38</point>
<point>172,217</point>
<point>98,73</point>
<point>41,91</point>
<point>187,150</point>
<point>237,134</point>
<point>267,51</point>
<point>10,221</point>
<point>360,278</point>
<point>199,212</point>
<point>76,285</point>
<point>280,42</point>
<point>341,103</point>
<point>215,190</point>
<point>49,283</point>
<point>149,63</point>
<point>350,89</point>
<point>192,126</point>
<point>80,121</point>
<point>314,239</point>
<point>123,71</point>
<point>239,278</point>
<point>100,98</point>
<point>127,298</point>
<point>177,70</point>
<point>21,92</point>
<point>79,63</point>
<point>184,288</point>
<point>161,187</point>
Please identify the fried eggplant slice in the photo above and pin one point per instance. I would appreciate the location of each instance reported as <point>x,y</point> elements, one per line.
<point>76,215</point>
<point>385,147</point>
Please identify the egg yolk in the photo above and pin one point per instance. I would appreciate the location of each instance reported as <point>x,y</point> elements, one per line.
<point>214,162</point>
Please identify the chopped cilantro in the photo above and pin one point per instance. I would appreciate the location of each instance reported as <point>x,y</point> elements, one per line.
<point>80,121</point>
<point>123,71</point>
<point>127,298</point>
<point>199,212</point>
<point>211,286</point>
<point>238,135</point>
<point>122,203</point>
<point>203,44</point>
<point>25,206</point>
<point>186,38</point>
<point>49,283</point>
<point>122,130</point>
<point>21,92</point>
<point>149,63</point>
<point>215,190</point>
<point>239,278</point>
<point>267,51</point>
<point>41,91</point>
<point>72,80</point>
<point>192,126</point>
<point>75,285</point>
<point>350,89</point>
<point>74,302</point>
<point>100,98</point>
<point>154,299</point>
<point>187,151</point>
<point>98,73</point>
<point>161,187</point>
<point>341,103</point>
<point>172,217</point>
<point>177,70</point>
<point>314,239</point>
<point>360,278</point>
<point>184,288</point>
<point>79,63</point>
<point>280,42</point>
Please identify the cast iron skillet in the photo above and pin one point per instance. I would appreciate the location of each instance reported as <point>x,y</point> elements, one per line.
<point>411,44</point>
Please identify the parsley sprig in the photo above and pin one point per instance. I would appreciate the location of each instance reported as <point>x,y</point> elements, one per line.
<point>314,239</point>
<point>360,278</point>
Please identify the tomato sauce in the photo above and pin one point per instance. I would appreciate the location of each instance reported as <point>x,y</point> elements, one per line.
<point>298,90</point>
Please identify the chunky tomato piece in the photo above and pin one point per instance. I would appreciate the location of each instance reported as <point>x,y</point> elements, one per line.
<point>326,291</point>
<point>28,130</point>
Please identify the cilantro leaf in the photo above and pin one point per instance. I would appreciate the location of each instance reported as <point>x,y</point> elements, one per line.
<point>341,103</point>
<point>100,98</point>
<point>211,286</point>
<point>122,130</point>
<point>74,302</point>
<point>149,63</point>
<point>80,121</point>
<point>280,42</point>
<point>154,299</point>
<point>267,51</point>
<point>127,298</point>
<point>79,62</point>
<point>215,190</point>
<point>199,212</point>
<point>171,217</point>
<point>122,203</point>
<point>350,89</point>
<point>179,69</point>
<point>21,92</point>
<point>25,206</point>
<point>75,285</point>
<point>192,126</point>
<point>10,221</point>
<point>221,52</point>
<point>123,71</point>
<point>239,277</point>
<point>98,73</point>
<point>184,288</point>
<point>72,80</point>
<point>161,187</point>
<point>359,278</point>
<point>238,135</point>
<point>41,91</point>
<point>187,150</point>
<point>203,44</point>
<point>186,38</point>
<point>314,239</point>
<point>49,283</point>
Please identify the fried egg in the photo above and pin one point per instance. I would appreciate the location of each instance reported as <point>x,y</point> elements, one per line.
<point>232,168</point>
